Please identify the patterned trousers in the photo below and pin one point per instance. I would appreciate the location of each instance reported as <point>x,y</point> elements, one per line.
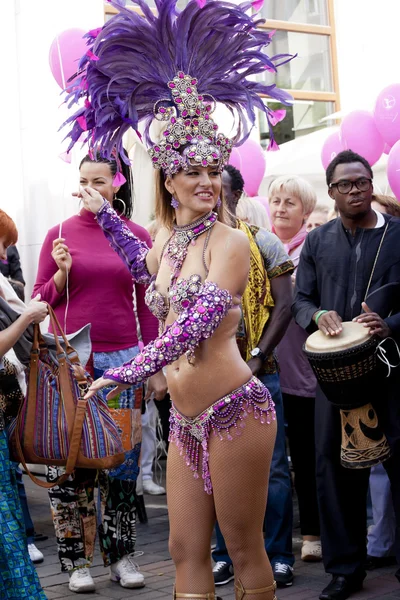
<point>76,517</point>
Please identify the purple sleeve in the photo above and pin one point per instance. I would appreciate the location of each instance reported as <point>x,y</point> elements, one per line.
<point>123,241</point>
<point>44,284</point>
<point>192,326</point>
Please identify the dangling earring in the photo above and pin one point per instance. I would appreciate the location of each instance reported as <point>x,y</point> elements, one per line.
<point>122,202</point>
<point>219,202</point>
<point>174,203</point>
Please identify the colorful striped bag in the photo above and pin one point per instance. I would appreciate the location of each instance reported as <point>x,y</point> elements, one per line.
<point>55,424</point>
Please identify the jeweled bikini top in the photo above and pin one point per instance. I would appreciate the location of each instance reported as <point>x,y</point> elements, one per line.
<point>181,292</point>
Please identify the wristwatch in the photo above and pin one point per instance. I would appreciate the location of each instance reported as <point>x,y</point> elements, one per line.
<point>258,353</point>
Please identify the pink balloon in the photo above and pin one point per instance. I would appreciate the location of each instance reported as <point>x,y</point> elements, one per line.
<point>65,53</point>
<point>332,146</point>
<point>360,134</point>
<point>387,148</point>
<point>235,159</point>
<point>253,166</point>
<point>393,169</point>
<point>387,113</point>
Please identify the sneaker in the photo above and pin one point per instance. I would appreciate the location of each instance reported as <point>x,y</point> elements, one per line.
<point>151,487</point>
<point>80,580</point>
<point>223,573</point>
<point>126,572</point>
<point>283,574</point>
<point>35,555</point>
<point>311,551</point>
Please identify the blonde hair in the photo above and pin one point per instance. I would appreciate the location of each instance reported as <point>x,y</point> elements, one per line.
<point>153,228</point>
<point>295,186</point>
<point>252,212</point>
<point>333,213</point>
<point>391,205</point>
<point>321,208</point>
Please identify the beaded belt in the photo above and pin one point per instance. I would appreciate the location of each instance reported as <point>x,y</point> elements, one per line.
<point>224,417</point>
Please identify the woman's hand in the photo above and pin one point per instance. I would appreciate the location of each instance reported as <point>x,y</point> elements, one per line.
<point>157,385</point>
<point>92,199</point>
<point>61,255</point>
<point>36,310</point>
<point>101,383</point>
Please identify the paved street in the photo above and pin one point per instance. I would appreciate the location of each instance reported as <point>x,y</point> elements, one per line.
<point>159,570</point>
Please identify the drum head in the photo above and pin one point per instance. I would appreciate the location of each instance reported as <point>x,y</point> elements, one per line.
<point>352,334</point>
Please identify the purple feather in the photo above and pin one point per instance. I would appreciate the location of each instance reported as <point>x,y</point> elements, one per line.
<point>131,59</point>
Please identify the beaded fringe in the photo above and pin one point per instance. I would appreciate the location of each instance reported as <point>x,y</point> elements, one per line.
<point>224,418</point>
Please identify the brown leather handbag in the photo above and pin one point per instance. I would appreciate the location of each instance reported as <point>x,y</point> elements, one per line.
<point>55,424</point>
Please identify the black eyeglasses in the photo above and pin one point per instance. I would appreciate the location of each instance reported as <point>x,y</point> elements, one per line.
<point>344,187</point>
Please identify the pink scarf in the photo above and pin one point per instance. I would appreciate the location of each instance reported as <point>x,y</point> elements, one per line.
<point>296,240</point>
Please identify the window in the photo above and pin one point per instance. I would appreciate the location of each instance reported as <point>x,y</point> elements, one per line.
<point>305,116</point>
<point>305,28</point>
<point>310,70</point>
<point>298,11</point>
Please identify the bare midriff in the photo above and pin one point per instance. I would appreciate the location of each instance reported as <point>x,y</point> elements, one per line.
<point>216,370</point>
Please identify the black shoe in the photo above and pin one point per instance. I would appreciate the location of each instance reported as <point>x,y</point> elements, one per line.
<point>376,562</point>
<point>39,537</point>
<point>223,573</point>
<point>340,588</point>
<point>397,574</point>
<point>283,574</point>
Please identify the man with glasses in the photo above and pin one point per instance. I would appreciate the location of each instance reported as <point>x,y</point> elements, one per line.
<point>332,282</point>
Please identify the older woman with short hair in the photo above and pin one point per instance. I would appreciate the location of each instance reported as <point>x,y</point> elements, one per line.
<point>291,201</point>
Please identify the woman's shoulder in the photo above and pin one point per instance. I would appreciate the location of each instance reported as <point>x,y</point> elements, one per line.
<point>226,235</point>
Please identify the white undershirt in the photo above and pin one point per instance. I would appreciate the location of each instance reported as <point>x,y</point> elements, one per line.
<point>380,220</point>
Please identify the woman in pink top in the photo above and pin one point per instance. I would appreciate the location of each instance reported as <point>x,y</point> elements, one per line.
<point>84,281</point>
<point>291,201</point>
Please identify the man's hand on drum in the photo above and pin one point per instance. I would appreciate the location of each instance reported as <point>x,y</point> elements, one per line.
<point>376,324</point>
<point>329,323</point>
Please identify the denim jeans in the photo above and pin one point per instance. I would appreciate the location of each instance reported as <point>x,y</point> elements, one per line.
<point>278,522</point>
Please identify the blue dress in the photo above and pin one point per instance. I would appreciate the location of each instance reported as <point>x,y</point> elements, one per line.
<point>18,577</point>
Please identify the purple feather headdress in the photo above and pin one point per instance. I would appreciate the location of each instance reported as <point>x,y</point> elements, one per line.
<point>174,66</point>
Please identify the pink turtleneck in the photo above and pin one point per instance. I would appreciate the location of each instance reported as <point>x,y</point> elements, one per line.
<point>100,285</point>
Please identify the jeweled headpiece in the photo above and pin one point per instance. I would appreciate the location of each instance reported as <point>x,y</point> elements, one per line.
<point>191,128</point>
<point>174,66</point>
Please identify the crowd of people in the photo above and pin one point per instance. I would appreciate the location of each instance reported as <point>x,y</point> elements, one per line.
<point>207,312</point>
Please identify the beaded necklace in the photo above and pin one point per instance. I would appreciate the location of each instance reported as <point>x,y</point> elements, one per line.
<point>178,243</point>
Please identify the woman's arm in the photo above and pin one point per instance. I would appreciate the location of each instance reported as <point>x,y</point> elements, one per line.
<point>35,312</point>
<point>135,253</point>
<point>54,262</point>
<point>227,279</point>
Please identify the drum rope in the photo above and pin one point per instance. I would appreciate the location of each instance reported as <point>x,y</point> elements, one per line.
<point>381,354</point>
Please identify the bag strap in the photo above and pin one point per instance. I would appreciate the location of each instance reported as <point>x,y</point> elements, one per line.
<point>376,260</point>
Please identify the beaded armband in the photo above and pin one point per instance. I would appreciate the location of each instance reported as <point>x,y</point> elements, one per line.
<point>193,325</point>
<point>129,248</point>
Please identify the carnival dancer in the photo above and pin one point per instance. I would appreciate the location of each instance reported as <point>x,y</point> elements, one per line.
<point>175,66</point>
<point>340,263</point>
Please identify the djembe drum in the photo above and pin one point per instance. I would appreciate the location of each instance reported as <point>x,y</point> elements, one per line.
<point>346,367</point>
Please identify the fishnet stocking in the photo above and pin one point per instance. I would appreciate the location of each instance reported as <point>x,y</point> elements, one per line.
<point>191,520</point>
<point>239,472</point>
